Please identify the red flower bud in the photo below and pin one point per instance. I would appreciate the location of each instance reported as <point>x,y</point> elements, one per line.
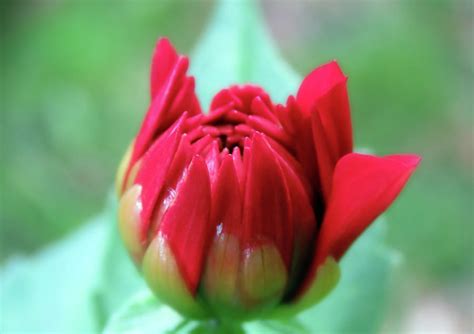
<point>250,206</point>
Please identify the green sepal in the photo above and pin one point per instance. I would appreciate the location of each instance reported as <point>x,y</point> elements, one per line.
<point>326,279</point>
<point>162,274</point>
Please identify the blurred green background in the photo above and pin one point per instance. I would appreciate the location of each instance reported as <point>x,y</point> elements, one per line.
<point>74,85</point>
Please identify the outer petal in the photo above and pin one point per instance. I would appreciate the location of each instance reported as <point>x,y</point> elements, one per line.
<point>266,210</point>
<point>154,169</point>
<point>187,225</point>
<point>299,128</point>
<point>363,187</point>
<point>220,279</point>
<point>164,59</point>
<point>323,97</point>
<point>227,199</point>
<point>317,84</point>
<point>332,132</point>
<point>172,94</point>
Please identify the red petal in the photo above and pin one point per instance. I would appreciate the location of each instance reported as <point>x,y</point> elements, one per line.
<point>212,160</point>
<point>299,129</point>
<point>303,215</point>
<point>317,84</point>
<point>266,212</point>
<point>187,225</point>
<point>158,116</point>
<point>164,59</point>
<point>172,94</point>
<point>332,132</point>
<point>154,168</point>
<point>363,187</point>
<point>227,199</point>
<point>326,159</point>
<point>323,96</point>
<point>185,100</point>
<point>181,159</point>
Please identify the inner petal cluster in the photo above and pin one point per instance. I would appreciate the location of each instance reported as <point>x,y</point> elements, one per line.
<point>235,115</point>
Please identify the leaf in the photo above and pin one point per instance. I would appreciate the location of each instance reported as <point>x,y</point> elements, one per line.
<point>71,286</point>
<point>236,48</point>
<point>118,279</point>
<point>52,290</point>
<point>144,314</point>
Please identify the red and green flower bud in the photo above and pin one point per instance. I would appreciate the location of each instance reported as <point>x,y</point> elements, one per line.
<point>245,211</point>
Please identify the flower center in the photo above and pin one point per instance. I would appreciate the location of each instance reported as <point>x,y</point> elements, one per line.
<point>235,114</point>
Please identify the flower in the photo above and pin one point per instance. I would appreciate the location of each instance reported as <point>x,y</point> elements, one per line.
<point>247,209</point>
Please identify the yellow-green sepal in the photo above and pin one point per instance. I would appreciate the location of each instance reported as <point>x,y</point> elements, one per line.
<point>162,274</point>
<point>326,279</point>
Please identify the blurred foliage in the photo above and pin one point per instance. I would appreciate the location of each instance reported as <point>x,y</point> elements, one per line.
<point>75,77</point>
<point>74,88</point>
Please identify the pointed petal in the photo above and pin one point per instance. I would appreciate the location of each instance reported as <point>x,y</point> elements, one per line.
<point>220,281</point>
<point>266,212</point>
<point>153,170</point>
<point>323,97</point>
<point>167,190</point>
<point>172,94</point>
<point>363,187</point>
<point>227,199</point>
<point>317,84</point>
<point>185,100</point>
<point>332,132</point>
<point>212,159</point>
<point>186,224</point>
<point>164,59</point>
<point>159,116</point>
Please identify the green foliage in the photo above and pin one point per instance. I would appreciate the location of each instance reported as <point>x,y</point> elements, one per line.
<point>73,95</point>
<point>73,285</point>
<point>236,49</point>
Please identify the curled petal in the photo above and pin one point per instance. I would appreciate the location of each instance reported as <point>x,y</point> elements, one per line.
<point>332,132</point>
<point>363,187</point>
<point>323,98</point>
<point>317,84</point>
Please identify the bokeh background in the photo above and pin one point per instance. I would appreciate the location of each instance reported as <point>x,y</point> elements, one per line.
<point>74,78</point>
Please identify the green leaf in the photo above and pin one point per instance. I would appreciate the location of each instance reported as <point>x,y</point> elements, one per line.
<point>52,291</point>
<point>71,286</point>
<point>118,279</point>
<point>235,49</point>
<point>144,314</point>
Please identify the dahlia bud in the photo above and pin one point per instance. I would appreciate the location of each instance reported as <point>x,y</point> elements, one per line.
<point>248,208</point>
